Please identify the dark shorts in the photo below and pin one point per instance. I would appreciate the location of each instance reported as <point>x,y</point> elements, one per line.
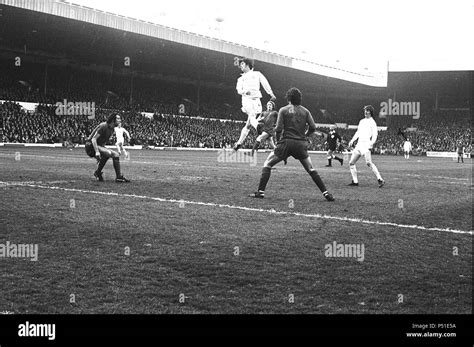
<point>268,130</point>
<point>297,149</point>
<point>90,149</point>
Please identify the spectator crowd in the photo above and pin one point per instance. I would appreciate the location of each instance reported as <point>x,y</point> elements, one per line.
<point>45,126</point>
<point>176,118</point>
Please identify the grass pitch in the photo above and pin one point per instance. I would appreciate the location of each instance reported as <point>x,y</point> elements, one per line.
<point>183,237</point>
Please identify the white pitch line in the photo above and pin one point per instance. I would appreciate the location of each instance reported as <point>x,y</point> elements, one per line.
<point>243,208</point>
<point>447,182</point>
<point>132,162</point>
<point>443,177</point>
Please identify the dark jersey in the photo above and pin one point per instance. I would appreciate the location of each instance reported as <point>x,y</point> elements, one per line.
<point>332,139</point>
<point>105,132</point>
<point>269,121</point>
<point>292,121</point>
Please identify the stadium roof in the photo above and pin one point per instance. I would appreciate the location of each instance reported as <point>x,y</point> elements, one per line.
<point>49,38</point>
<point>89,15</point>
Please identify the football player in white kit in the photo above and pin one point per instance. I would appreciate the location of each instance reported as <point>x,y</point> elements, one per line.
<point>367,135</point>
<point>407,148</point>
<point>248,85</point>
<point>119,132</point>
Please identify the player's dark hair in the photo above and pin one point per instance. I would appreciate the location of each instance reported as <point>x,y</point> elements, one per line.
<point>247,61</point>
<point>112,118</point>
<point>370,108</point>
<point>294,96</point>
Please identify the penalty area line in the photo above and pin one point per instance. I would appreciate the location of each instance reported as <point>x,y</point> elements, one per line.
<point>242,208</point>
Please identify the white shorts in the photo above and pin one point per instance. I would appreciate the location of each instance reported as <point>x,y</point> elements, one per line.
<point>119,143</point>
<point>365,151</point>
<point>251,106</point>
<point>253,121</point>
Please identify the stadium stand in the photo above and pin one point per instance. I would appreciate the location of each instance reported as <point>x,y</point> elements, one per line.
<point>165,130</point>
<point>186,99</point>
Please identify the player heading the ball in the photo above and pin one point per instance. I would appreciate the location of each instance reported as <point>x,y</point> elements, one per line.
<point>248,85</point>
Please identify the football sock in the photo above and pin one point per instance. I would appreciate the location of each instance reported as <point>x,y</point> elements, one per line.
<point>272,143</point>
<point>243,135</point>
<point>319,182</point>
<point>338,159</point>
<point>116,162</point>
<point>102,162</point>
<point>375,171</point>
<point>329,161</point>
<point>353,173</point>
<point>266,171</point>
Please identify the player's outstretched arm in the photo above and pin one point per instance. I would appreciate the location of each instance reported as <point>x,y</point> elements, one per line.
<point>266,85</point>
<point>355,137</point>
<point>375,133</point>
<point>94,144</point>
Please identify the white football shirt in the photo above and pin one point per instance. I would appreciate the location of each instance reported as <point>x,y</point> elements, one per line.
<point>366,133</point>
<point>248,85</point>
<point>407,146</point>
<point>119,133</point>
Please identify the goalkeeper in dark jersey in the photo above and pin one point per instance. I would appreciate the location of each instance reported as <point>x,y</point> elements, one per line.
<point>333,140</point>
<point>292,141</point>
